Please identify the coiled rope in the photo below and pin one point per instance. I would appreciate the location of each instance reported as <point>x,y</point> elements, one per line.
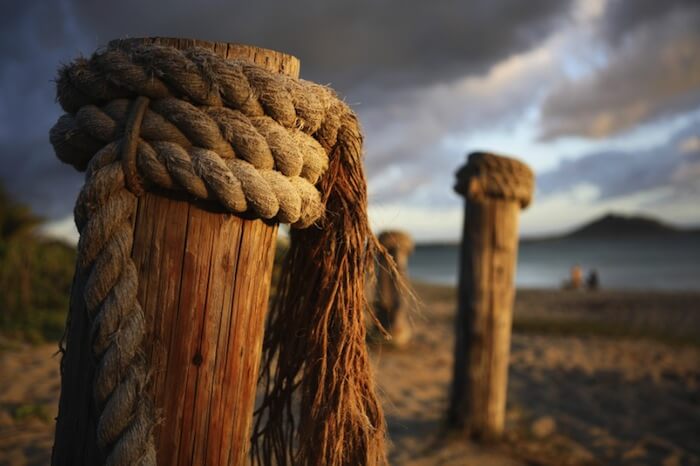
<point>143,117</point>
<point>495,176</point>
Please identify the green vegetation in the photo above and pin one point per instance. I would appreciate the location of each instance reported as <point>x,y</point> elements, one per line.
<point>590,328</point>
<point>35,276</point>
<point>665,317</point>
<point>31,410</point>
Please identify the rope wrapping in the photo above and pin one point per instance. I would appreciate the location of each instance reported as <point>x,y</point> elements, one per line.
<point>495,176</point>
<point>144,117</point>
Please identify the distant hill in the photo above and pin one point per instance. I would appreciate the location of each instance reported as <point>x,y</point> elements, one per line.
<point>616,226</point>
<point>609,226</point>
<point>620,225</point>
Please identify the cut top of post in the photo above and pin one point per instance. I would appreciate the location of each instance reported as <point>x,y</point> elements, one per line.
<point>487,175</point>
<point>272,60</point>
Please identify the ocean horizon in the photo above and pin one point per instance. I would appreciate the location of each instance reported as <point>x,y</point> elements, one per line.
<point>645,263</point>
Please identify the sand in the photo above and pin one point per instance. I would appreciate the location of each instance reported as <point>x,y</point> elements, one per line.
<point>29,391</point>
<point>630,398</point>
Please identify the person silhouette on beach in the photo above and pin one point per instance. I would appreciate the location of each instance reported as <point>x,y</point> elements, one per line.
<point>592,280</point>
<point>576,277</point>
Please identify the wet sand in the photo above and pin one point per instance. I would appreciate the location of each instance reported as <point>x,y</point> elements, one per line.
<point>579,393</point>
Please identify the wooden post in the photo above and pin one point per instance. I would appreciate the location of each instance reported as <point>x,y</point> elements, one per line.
<point>391,304</point>
<point>204,280</point>
<point>495,189</point>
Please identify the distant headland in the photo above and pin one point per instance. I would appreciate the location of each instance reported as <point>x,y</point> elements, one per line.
<point>611,226</point>
<point>615,225</point>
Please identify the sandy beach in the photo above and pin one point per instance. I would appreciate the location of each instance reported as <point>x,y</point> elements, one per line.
<point>595,378</point>
<point>628,397</point>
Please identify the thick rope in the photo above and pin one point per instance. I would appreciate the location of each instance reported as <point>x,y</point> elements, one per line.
<point>272,173</point>
<point>495,176</point>
<point>150,116</point>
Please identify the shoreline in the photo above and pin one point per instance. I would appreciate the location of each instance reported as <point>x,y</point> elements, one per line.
<point>627,290</point>
<point>665,316</point>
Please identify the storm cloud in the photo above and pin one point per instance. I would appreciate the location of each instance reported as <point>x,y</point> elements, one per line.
<point>427,79</point>
<point>351,44</point>
<point>652,71</point>
<point>371,52</point>
<point>672,165</point>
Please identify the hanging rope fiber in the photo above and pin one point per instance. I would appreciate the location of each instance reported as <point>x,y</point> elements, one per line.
<point>153,117</point>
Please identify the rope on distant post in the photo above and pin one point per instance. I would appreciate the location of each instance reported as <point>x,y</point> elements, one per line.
<point>495,176</point>
<point>149,116</point>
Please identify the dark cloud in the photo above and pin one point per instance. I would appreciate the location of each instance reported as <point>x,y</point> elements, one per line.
<point>347,42</point>
<point>652,71</point>
<point>39,178</point>
<point>622,17</point>
<point>372,52</point>
<point>673,165</point>
<point>35,37</point>
<point>418,73</point>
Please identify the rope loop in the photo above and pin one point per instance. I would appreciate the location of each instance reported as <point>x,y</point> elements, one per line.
<point>129,145</point>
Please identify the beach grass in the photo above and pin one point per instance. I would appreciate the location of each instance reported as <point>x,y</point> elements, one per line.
<point>24,411</point>
<point>593,328</point>
<point>671,318</point>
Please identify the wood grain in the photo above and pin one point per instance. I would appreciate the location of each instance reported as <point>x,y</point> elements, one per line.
<point>484,317</point>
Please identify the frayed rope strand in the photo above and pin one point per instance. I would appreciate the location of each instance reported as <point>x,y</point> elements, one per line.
<point>315,343</point>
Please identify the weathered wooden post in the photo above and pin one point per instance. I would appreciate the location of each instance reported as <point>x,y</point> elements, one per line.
<point>204,278</point>
<point>193,152</point>
<point>391,303</point>
<point>495,189</point>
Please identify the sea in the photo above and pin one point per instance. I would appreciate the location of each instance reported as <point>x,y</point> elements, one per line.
<point>645,263</point>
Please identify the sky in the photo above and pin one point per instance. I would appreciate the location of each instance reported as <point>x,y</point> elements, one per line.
<point>600,97</point>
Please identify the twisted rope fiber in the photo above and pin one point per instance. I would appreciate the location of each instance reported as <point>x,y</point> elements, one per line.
<point>149,116</point>
<point>495,176</point>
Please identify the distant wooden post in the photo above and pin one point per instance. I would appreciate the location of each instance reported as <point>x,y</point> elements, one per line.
<point>495,189</point>
<point>204,279</point>
<point>391,304</point>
